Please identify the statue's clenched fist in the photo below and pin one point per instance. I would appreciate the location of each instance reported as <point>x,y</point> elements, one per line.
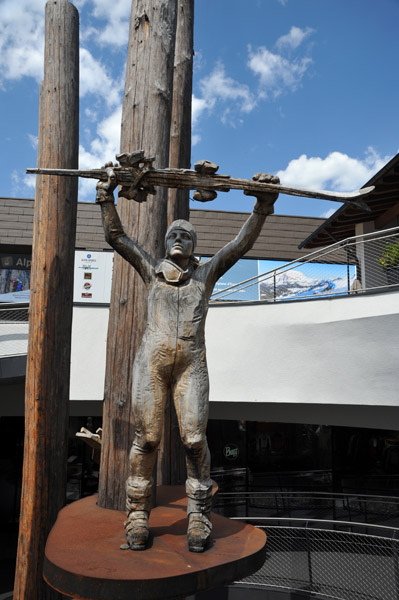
<point>265,200</point>
<point>105,189</point>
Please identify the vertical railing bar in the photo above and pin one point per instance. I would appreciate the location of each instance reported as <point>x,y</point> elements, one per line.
<point>309,554</point>
<point>348,280</point>
<point>396,563</point>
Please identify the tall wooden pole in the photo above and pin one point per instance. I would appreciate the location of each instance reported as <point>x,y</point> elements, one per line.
<point>171,463</point>
<point>146,120</point>
<point>180,131</point>
<point>47,376</point>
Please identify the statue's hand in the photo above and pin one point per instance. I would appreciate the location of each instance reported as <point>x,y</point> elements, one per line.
<point>265,200</point>
<point>105,189</point>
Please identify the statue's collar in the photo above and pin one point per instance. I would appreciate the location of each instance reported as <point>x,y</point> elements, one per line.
<point>171,272</point>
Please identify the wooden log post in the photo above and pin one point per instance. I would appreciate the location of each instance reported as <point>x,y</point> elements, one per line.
<point>47,376</point>
<point>146,120</point>
<point>171,462</point>
<point>180,131</point>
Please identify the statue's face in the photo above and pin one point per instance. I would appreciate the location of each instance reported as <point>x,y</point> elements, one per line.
<point>179,245</point>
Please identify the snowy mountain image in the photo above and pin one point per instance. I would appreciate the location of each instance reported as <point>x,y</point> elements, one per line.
<point>293,284</point>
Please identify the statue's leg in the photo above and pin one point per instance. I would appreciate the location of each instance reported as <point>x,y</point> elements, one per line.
<point>148,397</point>
<point>191,398</point>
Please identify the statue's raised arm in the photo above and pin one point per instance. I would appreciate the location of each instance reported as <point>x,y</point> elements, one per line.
<point>227,256</point>
<point>114,232</point>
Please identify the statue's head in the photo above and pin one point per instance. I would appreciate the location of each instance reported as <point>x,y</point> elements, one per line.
<point>180,241</point>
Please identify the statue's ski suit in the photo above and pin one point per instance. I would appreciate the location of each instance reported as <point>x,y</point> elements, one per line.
<point>172,356</point>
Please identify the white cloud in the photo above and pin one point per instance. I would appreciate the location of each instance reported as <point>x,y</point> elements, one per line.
<point>277,73</point>
<point>116,15</point>
<point>102,149</point>
<point>33,140</point>
<point>337,171</point>
<point>198,107</point>
<point>198,61</point>
<point>195,139</point>
<point>21,55</point>
<point>294,38</point>
<point>21,39</point>
<point>95,79</point>
<point>218,87</point>
<point>328,213</point>
<point>29,181</point>
<point>91,114</point>
<point>21,181</point>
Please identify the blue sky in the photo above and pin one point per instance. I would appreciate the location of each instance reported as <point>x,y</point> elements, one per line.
<point>306,89</point>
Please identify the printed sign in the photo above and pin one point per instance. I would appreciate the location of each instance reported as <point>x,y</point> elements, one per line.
<point>93,275</point>
<point>15,277</point>
<point>231,452</point>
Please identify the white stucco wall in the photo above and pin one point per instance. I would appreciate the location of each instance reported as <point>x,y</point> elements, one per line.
<point>89,339</point>
<point>342,351</point>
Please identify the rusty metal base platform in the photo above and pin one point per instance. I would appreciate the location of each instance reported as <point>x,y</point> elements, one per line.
<point>83,558</point>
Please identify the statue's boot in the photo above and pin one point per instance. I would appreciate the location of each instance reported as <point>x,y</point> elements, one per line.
<point>136,529</point>
<point>199,523</point>
<point>138,511</point>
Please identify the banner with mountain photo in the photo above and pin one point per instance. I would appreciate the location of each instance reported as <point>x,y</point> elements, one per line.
<point>304,280</point>
<point>244,269</point>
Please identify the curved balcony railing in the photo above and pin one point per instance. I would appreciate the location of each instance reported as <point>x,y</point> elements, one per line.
<point>359,508</point>
<point>315,558</point>
<point>353,266</point>
<point>322,545</point>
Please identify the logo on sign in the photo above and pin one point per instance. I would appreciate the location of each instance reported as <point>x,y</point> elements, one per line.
<point>231,452</point>
<point>6,261</point>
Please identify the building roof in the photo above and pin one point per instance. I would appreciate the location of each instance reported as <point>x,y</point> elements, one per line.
<point>383,203</point>
<point>278,240</point>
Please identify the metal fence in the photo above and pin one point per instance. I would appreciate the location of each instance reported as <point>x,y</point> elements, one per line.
<point>357,265</point>
<point>358,508</point>
<point>13,329</point>
<point>326,563</point>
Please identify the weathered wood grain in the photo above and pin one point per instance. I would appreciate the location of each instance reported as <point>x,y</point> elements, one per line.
<point>146,120</point>
<point>171,458</point>
<point>188,179</point>
<point>180,130</point>
<point>47,376</point>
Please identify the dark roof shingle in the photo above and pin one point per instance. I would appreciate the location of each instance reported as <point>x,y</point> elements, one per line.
<point>278,240</point>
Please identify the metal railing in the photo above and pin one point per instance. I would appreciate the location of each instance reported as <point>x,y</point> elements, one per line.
<point>13,329</point>
<point>325,545</point>
<point>359,508</point>
<point>315,558</point>
<point>348,267</point>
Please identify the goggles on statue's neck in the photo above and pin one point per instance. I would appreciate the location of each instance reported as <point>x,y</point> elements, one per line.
<point>171,272</point>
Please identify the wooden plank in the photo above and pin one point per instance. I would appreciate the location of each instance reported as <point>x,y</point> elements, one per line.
<point>387,217</point>
<point>48,362</point>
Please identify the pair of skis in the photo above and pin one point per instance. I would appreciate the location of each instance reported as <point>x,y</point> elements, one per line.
<point>136,174</point>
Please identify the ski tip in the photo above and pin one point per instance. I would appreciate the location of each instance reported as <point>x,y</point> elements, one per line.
<point>365,191</point>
